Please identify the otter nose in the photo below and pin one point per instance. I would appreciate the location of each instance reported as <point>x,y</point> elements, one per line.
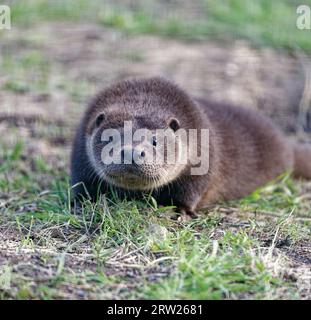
<point>128,155</point>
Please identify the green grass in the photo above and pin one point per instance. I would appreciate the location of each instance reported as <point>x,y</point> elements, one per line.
<point>262,22</point>
<point>132,249</point>
<point>29,72</point>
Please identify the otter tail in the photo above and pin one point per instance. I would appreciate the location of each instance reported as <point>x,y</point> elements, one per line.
<point>302,164</point>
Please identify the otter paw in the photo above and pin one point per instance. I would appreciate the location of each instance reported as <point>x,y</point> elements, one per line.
<point>185,215</point>
<point>192,214</point>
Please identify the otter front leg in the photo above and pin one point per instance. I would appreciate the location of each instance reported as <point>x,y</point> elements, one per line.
<point>185,209</point>
<point>187,206</point>
<point>185,215</point>
<point>185,194</point>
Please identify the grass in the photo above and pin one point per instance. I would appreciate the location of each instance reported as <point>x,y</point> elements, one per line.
<point>121,249</point>
<point>28,72</point>
<point>262,22</point>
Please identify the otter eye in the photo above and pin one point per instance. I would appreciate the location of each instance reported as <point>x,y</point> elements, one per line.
<point>174,124</point>
<point>154,141</point>
<point>100,119</point>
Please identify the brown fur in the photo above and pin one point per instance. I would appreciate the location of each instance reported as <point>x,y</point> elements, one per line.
<point>246,149</point>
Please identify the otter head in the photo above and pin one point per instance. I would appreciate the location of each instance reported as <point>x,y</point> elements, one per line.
<point>133,134</point>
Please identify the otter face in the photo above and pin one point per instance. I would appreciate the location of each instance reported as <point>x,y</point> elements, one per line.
<point>134,152</point>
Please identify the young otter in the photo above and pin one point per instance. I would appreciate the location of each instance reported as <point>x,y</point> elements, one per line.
<point>245,149</point>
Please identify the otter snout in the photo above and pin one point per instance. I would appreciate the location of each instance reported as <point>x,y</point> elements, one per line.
<point>136,166</point>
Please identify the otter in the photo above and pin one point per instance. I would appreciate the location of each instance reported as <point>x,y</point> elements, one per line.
<point>245,149</point>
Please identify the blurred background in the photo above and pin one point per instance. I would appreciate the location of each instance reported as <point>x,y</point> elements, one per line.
<point>57,54</point>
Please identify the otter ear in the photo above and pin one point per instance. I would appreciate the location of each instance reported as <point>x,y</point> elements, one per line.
<point>174,124</point>
<point>99,119</point>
